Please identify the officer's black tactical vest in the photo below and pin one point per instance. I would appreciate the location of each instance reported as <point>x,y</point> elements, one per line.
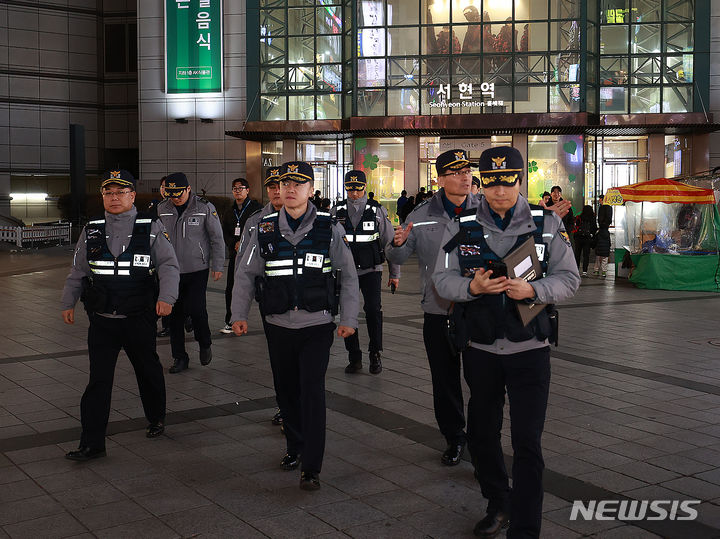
<point>364,239</point>
<point>126,284</point>
<point>494,316</point>
<point>296,276</point>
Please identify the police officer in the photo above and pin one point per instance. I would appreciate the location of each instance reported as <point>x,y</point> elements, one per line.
<point>196,235</point>
<point>118,260</point>
<point>422,235</point>
<point>503,354</point>
<point>368,230</point>
<point>233,224</point>
<point>475,187</point>
<point>297,253</point>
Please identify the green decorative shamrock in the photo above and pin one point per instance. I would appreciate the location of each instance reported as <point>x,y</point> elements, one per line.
<point>360,143</point>
<point>572,177</point>
<point>570,147</point>
<point>532,167</point>
<point>371,162</point>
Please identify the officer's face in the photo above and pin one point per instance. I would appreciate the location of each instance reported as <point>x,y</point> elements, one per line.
<point>356,195</point>
<point>117,199</point>
<point>273,191</point>
<point>474,189</point>
<point>456,182</point>
<point>501,197</point>
<point>295,195</point>
<point>182,199</point>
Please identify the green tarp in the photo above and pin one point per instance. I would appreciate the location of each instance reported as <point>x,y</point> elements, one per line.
<point>676,272</point>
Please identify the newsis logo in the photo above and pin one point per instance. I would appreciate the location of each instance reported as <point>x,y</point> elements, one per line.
<point>631,510</point>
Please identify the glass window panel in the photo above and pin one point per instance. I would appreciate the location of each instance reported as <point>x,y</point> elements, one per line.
<point>681,10</point>
<point>674,72</point>
<point>433,12</point>
<point>272,50</point>
<point>301,50</point>
<point>301,2</point>
<point>471,37</point>
<point>403,42</point>
<point>273,107</point>
<point>592,30</point>
<point>644,100</point>
<point>300,21</point>
<point>497,69</point>
<point>440,40</point>
<point>531,69</point>
<point>329,20</point>
<point>301,78</point>
<point>613,70</point>
<point>272,22</point>
<point>430,97</point>
<point>464,11</point>
<point>565,98</point>
<point>613,40</point>
<point>646,11</point>
<point>645,38</point>
<point>488,39</point>
<point>677,99</point>
<point>678,37</point>
<point>592,64</point>
<point>565,36</point>
<point>328,106</point>
<point>329,77</point>
<point>532,37</point>
<point>371,42</point>
<point>301,107</point>
<point>402,12</point>
<point>435,71</point>
<point>329,49</point>
<point>564,9</point>
<point>506,37</point>
<point>371,13</point>
<point>645,70</point>
<point>531,10</point>
<point>404,71</point>
<point>614,11</point>
<point>404,102</point>
<point>591,99</point>
<point>497,11</point>
<point>565,67</point>
<point>613,100</point>
<point>467,70</point>
<point>371,103</point>
<point>272,80</point>
<point>531,98</point>
<point>371,72</point>
<point>272,3</point>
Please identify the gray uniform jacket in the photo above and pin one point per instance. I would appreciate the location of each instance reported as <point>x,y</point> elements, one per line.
<point>355,209</point>
<point>429,220</point>
<point>197,235</point>
<point>252,265</point>
<point>561,282</point>
<point>250,226</point>
<point>118,231</point>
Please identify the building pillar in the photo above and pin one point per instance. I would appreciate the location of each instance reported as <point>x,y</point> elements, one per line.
<point>656,156</point>
<point>289,150</point>
<point>520,143</point>
<point>4,194</point>
<point>412,164</point>
<point>253,168</point>
<point>700,150</point>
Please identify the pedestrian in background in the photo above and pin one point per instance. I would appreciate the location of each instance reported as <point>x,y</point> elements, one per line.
<point>585,230</point>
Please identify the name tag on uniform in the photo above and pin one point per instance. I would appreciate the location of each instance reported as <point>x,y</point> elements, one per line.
<point>540,250</point>
<point>314,260</point>
<point>141,261</point>
<point>238,231</point>
<point>368,225</point>
<point>194,221</point>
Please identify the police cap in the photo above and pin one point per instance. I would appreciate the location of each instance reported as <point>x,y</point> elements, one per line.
<point>451,160</point>
<point>118,177</point>
<point>297,171</point>
<point>502,165</point>
<point>175,184</point>
<point>355,180</point>
<point>272,176</point>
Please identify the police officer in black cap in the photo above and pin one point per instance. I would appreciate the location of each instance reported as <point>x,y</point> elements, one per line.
<point>196,234</point>
<point>475,187</point>
<point>504,354</point>
<point>126,274</point>
<point>368,230</point>
<point>294,258</point>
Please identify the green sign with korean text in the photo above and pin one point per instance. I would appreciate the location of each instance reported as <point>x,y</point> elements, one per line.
<point>193,46</point>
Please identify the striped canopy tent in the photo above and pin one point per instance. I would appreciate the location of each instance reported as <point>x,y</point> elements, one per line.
<point>660,190</point>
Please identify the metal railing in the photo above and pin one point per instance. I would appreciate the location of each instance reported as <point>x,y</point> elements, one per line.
<point>24,235</point>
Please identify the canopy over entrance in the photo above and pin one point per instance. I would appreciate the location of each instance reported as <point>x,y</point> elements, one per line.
<point>660,190</point>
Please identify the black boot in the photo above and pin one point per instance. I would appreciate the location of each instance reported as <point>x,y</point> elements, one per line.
<point>375,363</point>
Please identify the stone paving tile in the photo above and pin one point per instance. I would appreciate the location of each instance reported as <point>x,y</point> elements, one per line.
<point>691,486</point>
<point>98,517</point>
<point>294,525</point>
<point>346,514</point>
<point>28,509</point>
<point>386,529</point>
<point>151,528</point>
<point>208,520</point>
<point>397,503</point>
<point>50,527</point>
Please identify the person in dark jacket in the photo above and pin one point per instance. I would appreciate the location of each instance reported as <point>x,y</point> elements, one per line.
<point>605,214</point>
<point>603,243</point>
<point>406,209</point>
<point>233,224</point>
<point>586,228</point>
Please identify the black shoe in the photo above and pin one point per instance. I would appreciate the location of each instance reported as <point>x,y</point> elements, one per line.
<point>205,356</point>
<point>309,481</point>
<point>289,462</point>
<point>277,418</point>
<point>375,363</point>
<point>188,325</point>
<point>452,454</point>
<point>83,453</point>
<point>178,366</point>
<point>492,524</point>
<point>154,430</point>
<point>353,367</point>
<point>164,332</point>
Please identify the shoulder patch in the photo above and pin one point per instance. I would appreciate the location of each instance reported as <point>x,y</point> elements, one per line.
<point>565,237</point>
<point>166,234</point>
<point>346,241</point>
<point>214,213</point>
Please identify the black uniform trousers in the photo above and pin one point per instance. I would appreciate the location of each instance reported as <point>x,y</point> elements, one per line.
<point>526,375</point>
<point>191,302</point>
<point>370,284</point>
<point>300,359</point>
<point>445,373</point>
<point>229,286</point>
<point>106,336</point>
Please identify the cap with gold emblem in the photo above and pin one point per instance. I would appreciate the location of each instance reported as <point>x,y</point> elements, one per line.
<point>297,171</point>
<point>355,180</point>
<point>272,176</point>
<point>452,160</point>
<point>502,165</point>
<point>175,184</point>
<point>118,177</point>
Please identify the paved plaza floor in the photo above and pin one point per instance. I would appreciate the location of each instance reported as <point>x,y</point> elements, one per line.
<point>634,413</point>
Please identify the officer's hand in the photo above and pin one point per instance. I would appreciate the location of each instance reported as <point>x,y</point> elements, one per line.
<point>163,309</point>
<point>240,327</point>
<point>519,289</point>
<point>69,316</point>
<point>401,235</point>
<point>395,282</point>
<point>482,283</point>
<point>237,246</point>
<point>561,208</point>
<point>216,275</point>
<point>344,331</point>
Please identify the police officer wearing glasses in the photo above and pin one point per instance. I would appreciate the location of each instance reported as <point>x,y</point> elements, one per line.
<point>503,354</point>
<point>422,235</point>
<point>125,272</point>
<point>196,234</point>
<point>304,273</point>
<point>368,231</point>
